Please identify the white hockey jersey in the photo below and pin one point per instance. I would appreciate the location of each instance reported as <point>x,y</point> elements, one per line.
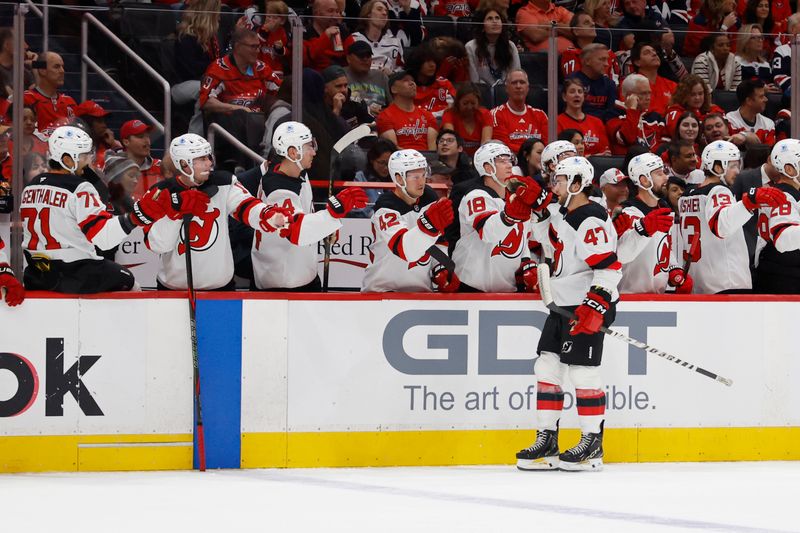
<point>778,246</point>
<point>646,260</point>
<point>63,219</point>
<point>584,251</point>
<point>3,254</point>
<point>387,53</point>
<point>212,259</point>
<point>281,262</point>
<point>490,248</point>
<point>399,258</point>
<point>712,214</point>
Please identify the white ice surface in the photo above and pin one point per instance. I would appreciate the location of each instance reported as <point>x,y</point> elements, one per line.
<point>667,497</point>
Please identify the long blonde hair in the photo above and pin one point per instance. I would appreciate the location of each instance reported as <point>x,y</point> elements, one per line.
<point>744,35</point>
<point>201,21</point>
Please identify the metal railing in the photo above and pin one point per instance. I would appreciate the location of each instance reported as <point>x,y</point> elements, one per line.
<point>43,14</point>
<point>86,62</point>
<point>215,129</point>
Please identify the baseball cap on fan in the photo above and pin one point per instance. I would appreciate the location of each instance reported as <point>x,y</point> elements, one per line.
<point>360,49</point>
<point>133,127</point>
<point>612,176</point>
<point>90,108</point>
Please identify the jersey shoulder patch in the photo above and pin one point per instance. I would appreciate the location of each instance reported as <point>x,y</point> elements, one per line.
<point>701,191</point>
<point>788,189</point>
<point>69,182</point>
<point>637,204</point>
<point>591,210</point>
<point>218,178</point>
<point>275,181</point>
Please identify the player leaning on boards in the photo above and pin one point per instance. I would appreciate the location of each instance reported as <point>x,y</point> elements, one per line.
<point>64,220</point>
<point>710,213</point>
<point>14,291</point>
<point>646,250</point>
<point>215,195</point>
<point>287,260</point>
<point>491,254</point>
<point>778,247</point>
<point>585,274</point>
<point>407,222</point>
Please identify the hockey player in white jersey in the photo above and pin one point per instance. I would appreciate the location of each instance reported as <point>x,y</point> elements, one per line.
<point>646,250</point>
<point>13,289</point>
<point>492,253</point>
<point>585,275</point>
<point>710,215</point>
<point>288,260</point>
<point>778,248</point>
<point>64,220</point>
<point>553,154</point>
<point>407,222</point>
<point>217,195</point>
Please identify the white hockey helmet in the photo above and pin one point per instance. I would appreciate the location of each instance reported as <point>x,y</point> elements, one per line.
<point>722,152</point>
<point>71,141</point>
<point>403,161</point>
<point>555,152</point>
<point>575,169</point>
<point>786,152</point>
<point>185,149</point>
<point>487,154</point>
<point>292,134</point>
<point>644,165</point>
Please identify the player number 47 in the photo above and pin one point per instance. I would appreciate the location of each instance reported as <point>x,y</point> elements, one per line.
<point>593,236</point>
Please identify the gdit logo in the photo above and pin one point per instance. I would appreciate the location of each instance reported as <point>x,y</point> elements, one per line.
<point>57,382</point>
<point>438,326</point>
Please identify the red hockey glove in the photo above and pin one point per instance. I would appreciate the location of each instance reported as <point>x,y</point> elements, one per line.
<point>660,219</point>
<point>437,217</point>
<point>15,292</point>
<point>150,208</point>
<point>189,202</point>
<point>527,277</point>
<point>274,218</point>
<point>347,200</point>
<point>589,315</point>
<point>680,280</point>
<point>763,196</point>
<point>530,192</point>
<point>443,280</point>
<point>622,223</point>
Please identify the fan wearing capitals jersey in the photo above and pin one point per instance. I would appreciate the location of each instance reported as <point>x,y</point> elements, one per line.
<point>778,247</point>
<point>215,195</point>
<point>408,221</point>
<point>287,260</point>
<point>515,121</point>
<point>586,272</point>
<point>14,291</point>
<point>646,251</point>
<point>64,219</point>
<point>492,254</point>
<point>711,221</point>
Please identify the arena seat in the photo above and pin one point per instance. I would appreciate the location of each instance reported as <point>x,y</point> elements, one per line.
<point>535,65</point>
<point>726,100</point>
<point>601,163</point>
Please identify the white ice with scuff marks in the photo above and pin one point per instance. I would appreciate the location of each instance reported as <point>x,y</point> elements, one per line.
<point>666,497</point>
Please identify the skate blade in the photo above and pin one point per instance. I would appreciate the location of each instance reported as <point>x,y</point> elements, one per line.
<point>544,463</point>
<point>592,465</point>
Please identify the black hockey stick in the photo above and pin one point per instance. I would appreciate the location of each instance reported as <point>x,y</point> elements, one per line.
<point>444,259</point>
<point>547,298</point>
<point>201,441</point>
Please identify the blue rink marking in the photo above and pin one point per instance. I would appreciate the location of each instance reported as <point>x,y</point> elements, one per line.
<point>219,349</point>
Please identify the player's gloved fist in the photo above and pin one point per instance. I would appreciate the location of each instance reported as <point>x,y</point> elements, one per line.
<point>274,218</point>
<point>15,292</point>
<point>347,200</point>
<point>437,217</point>
<point>622,223</point>
<point>444,280</point>
<point>189,202</point>
<point>531,193</point>
<point>150,208</point>
<point>660,219</point>
<point>680,280</point>
<point>589,315</point>
<point>527,277</point>
<point>758,196</point>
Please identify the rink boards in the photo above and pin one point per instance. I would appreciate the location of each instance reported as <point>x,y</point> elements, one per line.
<point>348,380</point>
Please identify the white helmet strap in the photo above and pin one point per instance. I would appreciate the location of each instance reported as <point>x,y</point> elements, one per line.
<point>299,157</point>
<point>72,169</point>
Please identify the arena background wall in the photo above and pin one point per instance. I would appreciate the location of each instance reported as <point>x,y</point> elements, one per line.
<point>104,383</point>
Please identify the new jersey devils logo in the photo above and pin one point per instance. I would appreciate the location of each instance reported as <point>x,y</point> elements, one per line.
<point>558,249</point>
<point>511,245</point>
<point>663,251</point>
<point>425,260</point>
<point>203,233</point>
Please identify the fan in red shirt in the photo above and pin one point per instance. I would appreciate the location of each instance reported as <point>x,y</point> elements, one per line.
<point>515,121</point>
<point>405,124</point>
<point>45,100</point>
<point>454,8</point>
<point>434,93</point>
<point>692,94</point>
<point>95,117</point>
<point>468,119</point>
<point>635,124</point>
<point>227,84</point>
<point>271,33</point>
<point>135,136</point>
<point>645,61</point>
<point>595,138</point>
